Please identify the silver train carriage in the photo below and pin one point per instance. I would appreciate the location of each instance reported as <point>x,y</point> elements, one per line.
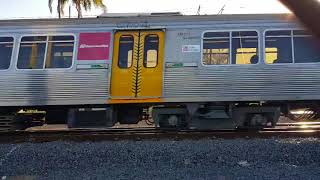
<point>207,71</point>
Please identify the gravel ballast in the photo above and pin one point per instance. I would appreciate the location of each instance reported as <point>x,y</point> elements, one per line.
<point>164,159</point>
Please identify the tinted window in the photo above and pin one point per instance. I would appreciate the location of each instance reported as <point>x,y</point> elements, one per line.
<point>6,39</point>
<point>58,49</point>
<point>301,33</point>
<point>245,47</point>
<point>279,33</point>
<point>33,38</point>
<point>31,55</point>
<point>6,46</point>
<point>151,46</point>
<point>216,46</point>
<point>61,38</point>
<point>244,34</point>
<point>125,54</point>
<point>59,52</point>
<point>278,47</point>
<point>271,54</point>
<point>306,50</point>
<point>216,34</point>
<point>216,51</point>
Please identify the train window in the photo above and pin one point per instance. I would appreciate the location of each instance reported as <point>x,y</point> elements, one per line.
<point>61,38</point>
<point>151,46</point>
<point>59,52</point>
<point>6,46</point>
<point>243,34</point>
<point>125,55</point>
<point>216,52</point>
<point>216,35</point>
<point>33,38</point>
<point>278,47</point>
<point>285,33</point>
<point>216,46</point>
<point>301,33</point>
<point>245,47</point>
<point>6,39</point>
<point>39,52</point>
<point>31,53</point>
<point>271,55</point>
<point>291,46</point>
<point>306,48</point>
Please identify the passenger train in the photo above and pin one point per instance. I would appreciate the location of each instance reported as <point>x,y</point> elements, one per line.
<point>195,71</point>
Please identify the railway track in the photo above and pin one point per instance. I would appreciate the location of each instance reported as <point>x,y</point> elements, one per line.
<point>283,130</point>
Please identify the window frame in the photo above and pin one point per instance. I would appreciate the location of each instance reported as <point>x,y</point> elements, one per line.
<point>230,47</point>
<point>292,45</point>
<point>75,44</point>
<point>12,52</point>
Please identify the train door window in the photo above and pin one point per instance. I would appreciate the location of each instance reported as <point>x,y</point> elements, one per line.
<point>32,52</point>
<point>245,47</point>
<point>6,46</point>
<point>151,46</point>
<point>278,47</point>
<point>59,51</point>
<point>306,48</point>
<point>125,51</point>
<point>216,47</point>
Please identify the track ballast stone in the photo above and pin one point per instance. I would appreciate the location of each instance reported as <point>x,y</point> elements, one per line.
<point>164,159</point>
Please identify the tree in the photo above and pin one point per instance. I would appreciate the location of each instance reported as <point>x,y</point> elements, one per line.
<point>79,4</point>
<point>60,6</point>
<point>87,5</point>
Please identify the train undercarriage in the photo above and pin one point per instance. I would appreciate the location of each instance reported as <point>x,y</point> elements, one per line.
<point>241,115</point>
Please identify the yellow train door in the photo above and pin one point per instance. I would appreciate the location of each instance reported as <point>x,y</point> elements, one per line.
<point>137,65</point>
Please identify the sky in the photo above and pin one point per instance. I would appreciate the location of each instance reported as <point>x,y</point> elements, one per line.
<point>17,9</point>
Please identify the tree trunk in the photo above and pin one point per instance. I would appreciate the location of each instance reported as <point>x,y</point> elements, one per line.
<point>78,7</point>
<point>59,9</point>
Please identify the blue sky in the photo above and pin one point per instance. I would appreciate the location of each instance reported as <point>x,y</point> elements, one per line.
<point>14,9</point>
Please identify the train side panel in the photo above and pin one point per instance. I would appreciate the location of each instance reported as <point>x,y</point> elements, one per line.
<point>246,83</point>
<point>85,82</point>
<point>37,88</point>
<point>186,79</point>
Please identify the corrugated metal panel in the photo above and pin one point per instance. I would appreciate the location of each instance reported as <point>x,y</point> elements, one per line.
<point>54,87</point>
<point>243,82</point>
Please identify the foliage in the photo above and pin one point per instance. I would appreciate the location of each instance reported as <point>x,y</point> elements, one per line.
<point>79,4</point>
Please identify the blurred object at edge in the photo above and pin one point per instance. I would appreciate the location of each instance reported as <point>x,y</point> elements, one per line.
<point>307,11</point>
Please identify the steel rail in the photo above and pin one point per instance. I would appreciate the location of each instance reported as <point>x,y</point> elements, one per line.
<point>80,135</point>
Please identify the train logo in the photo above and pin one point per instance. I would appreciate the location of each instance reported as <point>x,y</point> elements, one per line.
<point>94,46</point>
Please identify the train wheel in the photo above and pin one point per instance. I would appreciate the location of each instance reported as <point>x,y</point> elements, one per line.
<point>129,114</point>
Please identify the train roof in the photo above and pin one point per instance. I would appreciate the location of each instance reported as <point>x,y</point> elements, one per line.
<point>152,18</point>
